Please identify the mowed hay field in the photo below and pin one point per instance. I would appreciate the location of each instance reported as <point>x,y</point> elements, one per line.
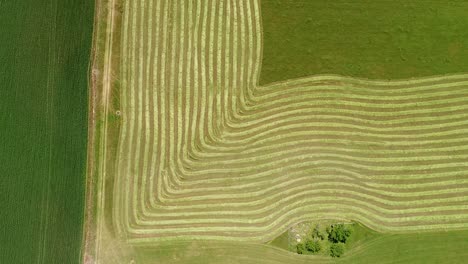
<point>207,153</point>
<point>44,56</point>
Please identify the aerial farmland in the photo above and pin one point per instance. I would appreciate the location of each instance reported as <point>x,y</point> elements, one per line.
<point>239,131</point>
<point>45,48</point>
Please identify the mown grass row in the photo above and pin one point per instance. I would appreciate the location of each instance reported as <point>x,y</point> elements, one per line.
<point>205,152</point>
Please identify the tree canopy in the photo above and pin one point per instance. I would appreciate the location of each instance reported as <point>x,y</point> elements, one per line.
<point>338,233</point>
<point>300,248</point>
<point>336,250</point>
<point>313,246</point>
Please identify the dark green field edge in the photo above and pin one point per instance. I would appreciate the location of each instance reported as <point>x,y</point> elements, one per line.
<point>44,56</point>
<point>385,39</point>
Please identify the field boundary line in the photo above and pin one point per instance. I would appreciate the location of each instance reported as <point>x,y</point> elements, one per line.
<point>100,84</point>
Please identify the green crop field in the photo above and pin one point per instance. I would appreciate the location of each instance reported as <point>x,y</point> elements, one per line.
<point>44,56</point>
<point>238,120</point>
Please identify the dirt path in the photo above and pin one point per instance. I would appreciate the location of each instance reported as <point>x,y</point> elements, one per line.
<point>99,97</point>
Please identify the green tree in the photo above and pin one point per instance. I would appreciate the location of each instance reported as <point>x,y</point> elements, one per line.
<point>336,250</point>
<point>300,248</point>
<point>338,233</point>
<point>313,246</point>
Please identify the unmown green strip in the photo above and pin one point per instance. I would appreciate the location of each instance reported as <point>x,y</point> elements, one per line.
<point>364,38</point>
<point>365,246</point>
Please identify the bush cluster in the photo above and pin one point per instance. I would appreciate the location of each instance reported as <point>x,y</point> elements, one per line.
<point>311,244</point>
<point>300,248</point>
<point>337,235</point>
<point>336,250</point>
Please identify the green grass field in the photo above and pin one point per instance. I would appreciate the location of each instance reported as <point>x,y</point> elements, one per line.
<point>429,247</point>
<point>370,247</point>
<point>44,56</point>
<point>369,39</point>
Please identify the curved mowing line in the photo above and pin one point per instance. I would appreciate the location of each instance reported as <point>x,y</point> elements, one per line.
<point>204,150</point>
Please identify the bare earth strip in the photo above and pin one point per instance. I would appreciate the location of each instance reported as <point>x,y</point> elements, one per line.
<point>102,79</point>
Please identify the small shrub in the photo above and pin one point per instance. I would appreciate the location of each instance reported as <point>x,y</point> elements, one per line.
<point>313,246</point>
<point>300,248</point>
<point>336,250</point>
<point>316,234</point>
